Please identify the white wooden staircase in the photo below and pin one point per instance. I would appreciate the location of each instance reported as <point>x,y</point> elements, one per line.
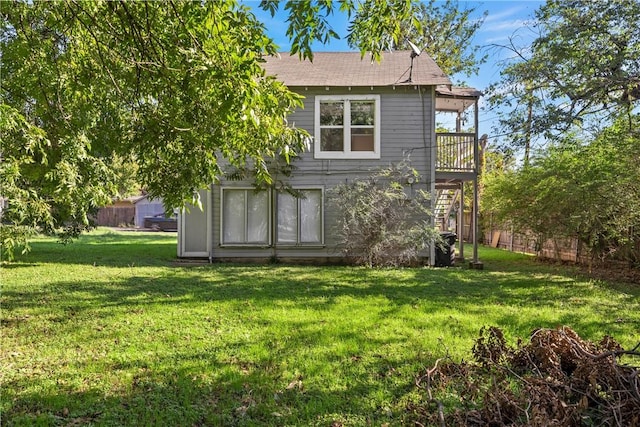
<point>446,199</point>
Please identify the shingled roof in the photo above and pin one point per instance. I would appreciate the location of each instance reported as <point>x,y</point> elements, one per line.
<point>347,69</point>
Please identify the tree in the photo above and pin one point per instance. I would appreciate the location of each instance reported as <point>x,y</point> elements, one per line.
<point>589,190</point>
<point>445,31</point>
<point>578,88</point>
<point>376,25</point>
<point>582,71</point>
<point>176,87</point>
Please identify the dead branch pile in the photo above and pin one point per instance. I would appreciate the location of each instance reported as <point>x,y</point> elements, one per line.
<point>556,379</point>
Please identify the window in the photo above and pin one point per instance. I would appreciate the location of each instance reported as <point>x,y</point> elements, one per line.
<point>245,217</point>
<point>300,218</point>
<point>347,127</point>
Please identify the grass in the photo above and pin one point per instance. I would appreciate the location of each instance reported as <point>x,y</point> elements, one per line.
<point>109,331</point>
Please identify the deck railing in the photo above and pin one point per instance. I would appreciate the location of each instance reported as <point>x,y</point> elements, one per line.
<point>455,152</point>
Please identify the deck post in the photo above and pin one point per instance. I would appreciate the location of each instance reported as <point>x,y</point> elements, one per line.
<point>461,223</point>
<point>475,264</point>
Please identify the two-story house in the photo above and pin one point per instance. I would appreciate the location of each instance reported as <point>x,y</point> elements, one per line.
<point>362,115</point>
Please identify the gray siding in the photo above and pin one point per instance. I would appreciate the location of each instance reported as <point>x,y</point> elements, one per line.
<point>406,132</point>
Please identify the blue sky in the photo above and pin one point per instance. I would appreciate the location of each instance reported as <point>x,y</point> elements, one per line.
<point>505,19</point>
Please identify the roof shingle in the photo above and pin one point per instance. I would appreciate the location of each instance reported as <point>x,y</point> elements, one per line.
<point>347,69</point>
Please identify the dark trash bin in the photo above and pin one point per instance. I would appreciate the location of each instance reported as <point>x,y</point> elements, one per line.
<point>446,252</point>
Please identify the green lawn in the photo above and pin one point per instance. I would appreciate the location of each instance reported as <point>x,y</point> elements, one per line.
<point>109,331</point>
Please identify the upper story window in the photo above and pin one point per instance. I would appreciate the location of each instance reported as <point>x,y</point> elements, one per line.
<point>347,127</point>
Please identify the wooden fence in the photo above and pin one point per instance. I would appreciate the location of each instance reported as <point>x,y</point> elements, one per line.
<point>564,249</point>
<point>116,216</point>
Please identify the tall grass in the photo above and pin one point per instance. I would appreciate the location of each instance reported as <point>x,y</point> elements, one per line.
<point>111,330</point>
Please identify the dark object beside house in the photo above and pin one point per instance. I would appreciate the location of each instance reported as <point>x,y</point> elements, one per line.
<point>446,253</point>
<point>161,223</point>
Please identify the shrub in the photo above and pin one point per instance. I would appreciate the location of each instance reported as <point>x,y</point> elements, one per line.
<point>384,218</point>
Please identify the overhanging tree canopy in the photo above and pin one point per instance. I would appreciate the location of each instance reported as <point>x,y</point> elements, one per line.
<point>175,86</point>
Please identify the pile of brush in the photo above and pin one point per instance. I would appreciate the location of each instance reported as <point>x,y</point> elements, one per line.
<point>556,378</point>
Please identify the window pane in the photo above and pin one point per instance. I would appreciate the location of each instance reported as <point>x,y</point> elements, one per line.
<point>233,216</point>
<point>287,218</point>
<point>332,139</point>
<point>362,112</point>
<point>257,217</point>
<point>311,217</point>
<point>362,139</point>
<point>331,113</point>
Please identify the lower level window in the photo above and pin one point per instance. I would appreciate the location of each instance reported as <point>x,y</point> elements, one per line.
<point>299,217</point>
<point>245,217</point>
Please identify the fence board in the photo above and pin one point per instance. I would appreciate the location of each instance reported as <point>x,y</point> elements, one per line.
<point>565,249</point>
<point>116,216</point>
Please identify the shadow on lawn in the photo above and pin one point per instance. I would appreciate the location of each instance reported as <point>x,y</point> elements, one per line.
<point>267,284</point>
<point>318,288</point>
<point>244,389</point>
<point>186,397</point>
<point>507,276</point>
<point>205,388</point>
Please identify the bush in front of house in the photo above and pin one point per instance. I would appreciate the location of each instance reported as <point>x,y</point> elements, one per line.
<point>384,218</point>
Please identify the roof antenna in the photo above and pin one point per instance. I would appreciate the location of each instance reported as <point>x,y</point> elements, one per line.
<point>415,51</point>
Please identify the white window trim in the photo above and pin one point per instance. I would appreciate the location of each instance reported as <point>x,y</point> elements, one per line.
<point>298,225</point>
<point>347,153</point>
<point>269,226</point>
